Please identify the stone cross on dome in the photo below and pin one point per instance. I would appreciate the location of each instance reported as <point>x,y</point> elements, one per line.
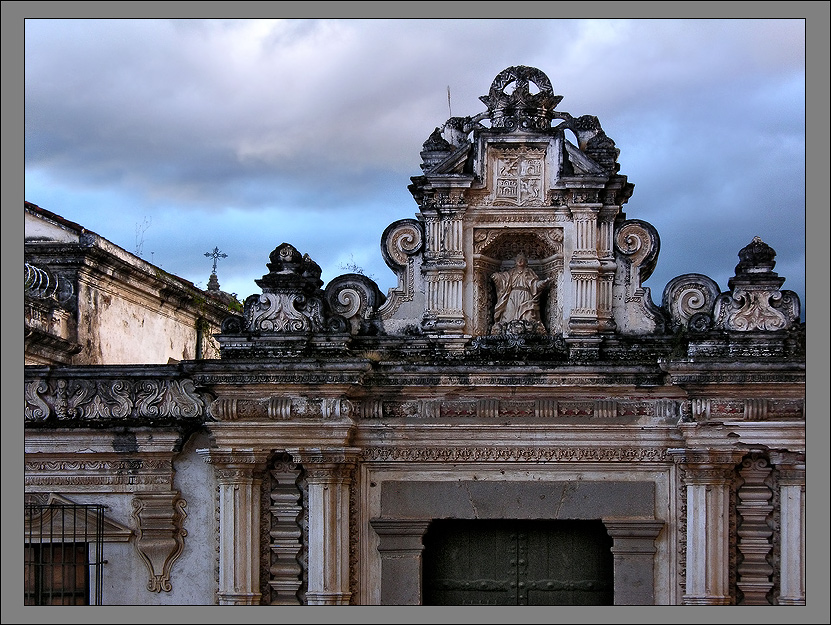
<point>213,281</point>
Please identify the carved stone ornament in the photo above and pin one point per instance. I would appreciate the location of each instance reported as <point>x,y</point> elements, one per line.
<point>518,176</point>
<point>518,291</point>
<point>160,535</point>
<point>512,106</point>
<point>112,399</point>
<point>755,302</point>
<point>689,300</point>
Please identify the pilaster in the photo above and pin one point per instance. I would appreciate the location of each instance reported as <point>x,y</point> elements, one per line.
<point>444,265</point>
<point>634,553</point>
<point>239,475</point>
<point>400,546</point>
<point>585,270</point>
<point>791,468</point>
<point>328,477</point>
<point>709,476</point>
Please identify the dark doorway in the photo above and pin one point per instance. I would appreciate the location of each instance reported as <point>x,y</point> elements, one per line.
<point>510,562</point>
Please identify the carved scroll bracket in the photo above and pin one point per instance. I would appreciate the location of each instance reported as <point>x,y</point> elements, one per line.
<point>159,534</point>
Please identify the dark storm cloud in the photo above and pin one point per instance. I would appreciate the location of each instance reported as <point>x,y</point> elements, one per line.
<point>245,134</point>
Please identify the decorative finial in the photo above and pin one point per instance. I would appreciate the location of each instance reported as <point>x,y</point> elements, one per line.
<point>216,255</point>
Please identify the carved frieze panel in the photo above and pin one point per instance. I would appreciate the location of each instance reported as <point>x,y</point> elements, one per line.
<point>491,408</point>
<point>786,408</point>
<point>112,399</point>
<point>514,454</point>
<point>111,472</point>
<point>279,408</point>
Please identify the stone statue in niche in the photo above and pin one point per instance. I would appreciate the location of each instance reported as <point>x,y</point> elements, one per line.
<point>518,292</point>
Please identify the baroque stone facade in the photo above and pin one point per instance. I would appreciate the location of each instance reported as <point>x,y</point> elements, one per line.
<point>519,370</point>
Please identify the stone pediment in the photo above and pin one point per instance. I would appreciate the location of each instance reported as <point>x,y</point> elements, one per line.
<point>520,232</point>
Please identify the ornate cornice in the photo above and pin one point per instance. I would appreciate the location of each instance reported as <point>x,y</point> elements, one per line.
<point>475,453</point>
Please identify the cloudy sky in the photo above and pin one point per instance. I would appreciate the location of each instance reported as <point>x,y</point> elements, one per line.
<point>172,137</point>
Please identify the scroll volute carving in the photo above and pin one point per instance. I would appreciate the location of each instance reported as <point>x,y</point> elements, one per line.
<point>356,298</point>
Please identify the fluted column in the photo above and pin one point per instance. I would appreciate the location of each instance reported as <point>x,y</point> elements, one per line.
<point>238,474</point>
<point>328,477</point>
<point>708,476</point>
<point>584,267</point>
<point>608,266</point>
<point>791,527</point>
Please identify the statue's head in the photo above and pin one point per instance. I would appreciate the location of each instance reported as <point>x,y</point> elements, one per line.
<point>521,260</point>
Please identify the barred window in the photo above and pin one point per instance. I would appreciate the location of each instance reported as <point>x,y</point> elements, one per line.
<point>63,551</point>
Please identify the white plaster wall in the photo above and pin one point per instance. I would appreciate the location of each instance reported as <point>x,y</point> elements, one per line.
<point>40,229</point>
<point>193,575</point>
<point>116,330</point>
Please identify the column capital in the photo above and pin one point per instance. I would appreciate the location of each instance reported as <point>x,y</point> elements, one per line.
<point>325,456</point>
<point>234,464</point>
<point>233,457</point>
<point>791,467</point>
<point>705,466</point>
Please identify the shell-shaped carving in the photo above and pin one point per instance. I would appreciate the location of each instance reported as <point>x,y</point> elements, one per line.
<point>687,295</point>
<point>639,241</point>
<point>401,238</point>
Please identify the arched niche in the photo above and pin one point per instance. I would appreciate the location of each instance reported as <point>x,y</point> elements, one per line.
<point>495,249</point>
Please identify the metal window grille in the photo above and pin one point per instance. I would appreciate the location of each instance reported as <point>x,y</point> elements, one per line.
<point>64,554</point>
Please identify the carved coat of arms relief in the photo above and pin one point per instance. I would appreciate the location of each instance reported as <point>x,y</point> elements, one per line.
<point>518,177</point>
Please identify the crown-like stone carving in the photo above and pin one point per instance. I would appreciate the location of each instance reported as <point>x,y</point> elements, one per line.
<point>291,300</point>
<point>756,302</point>
<point>512,106</point>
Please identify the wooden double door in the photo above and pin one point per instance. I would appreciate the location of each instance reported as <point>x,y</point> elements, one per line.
<point>517,562</point>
